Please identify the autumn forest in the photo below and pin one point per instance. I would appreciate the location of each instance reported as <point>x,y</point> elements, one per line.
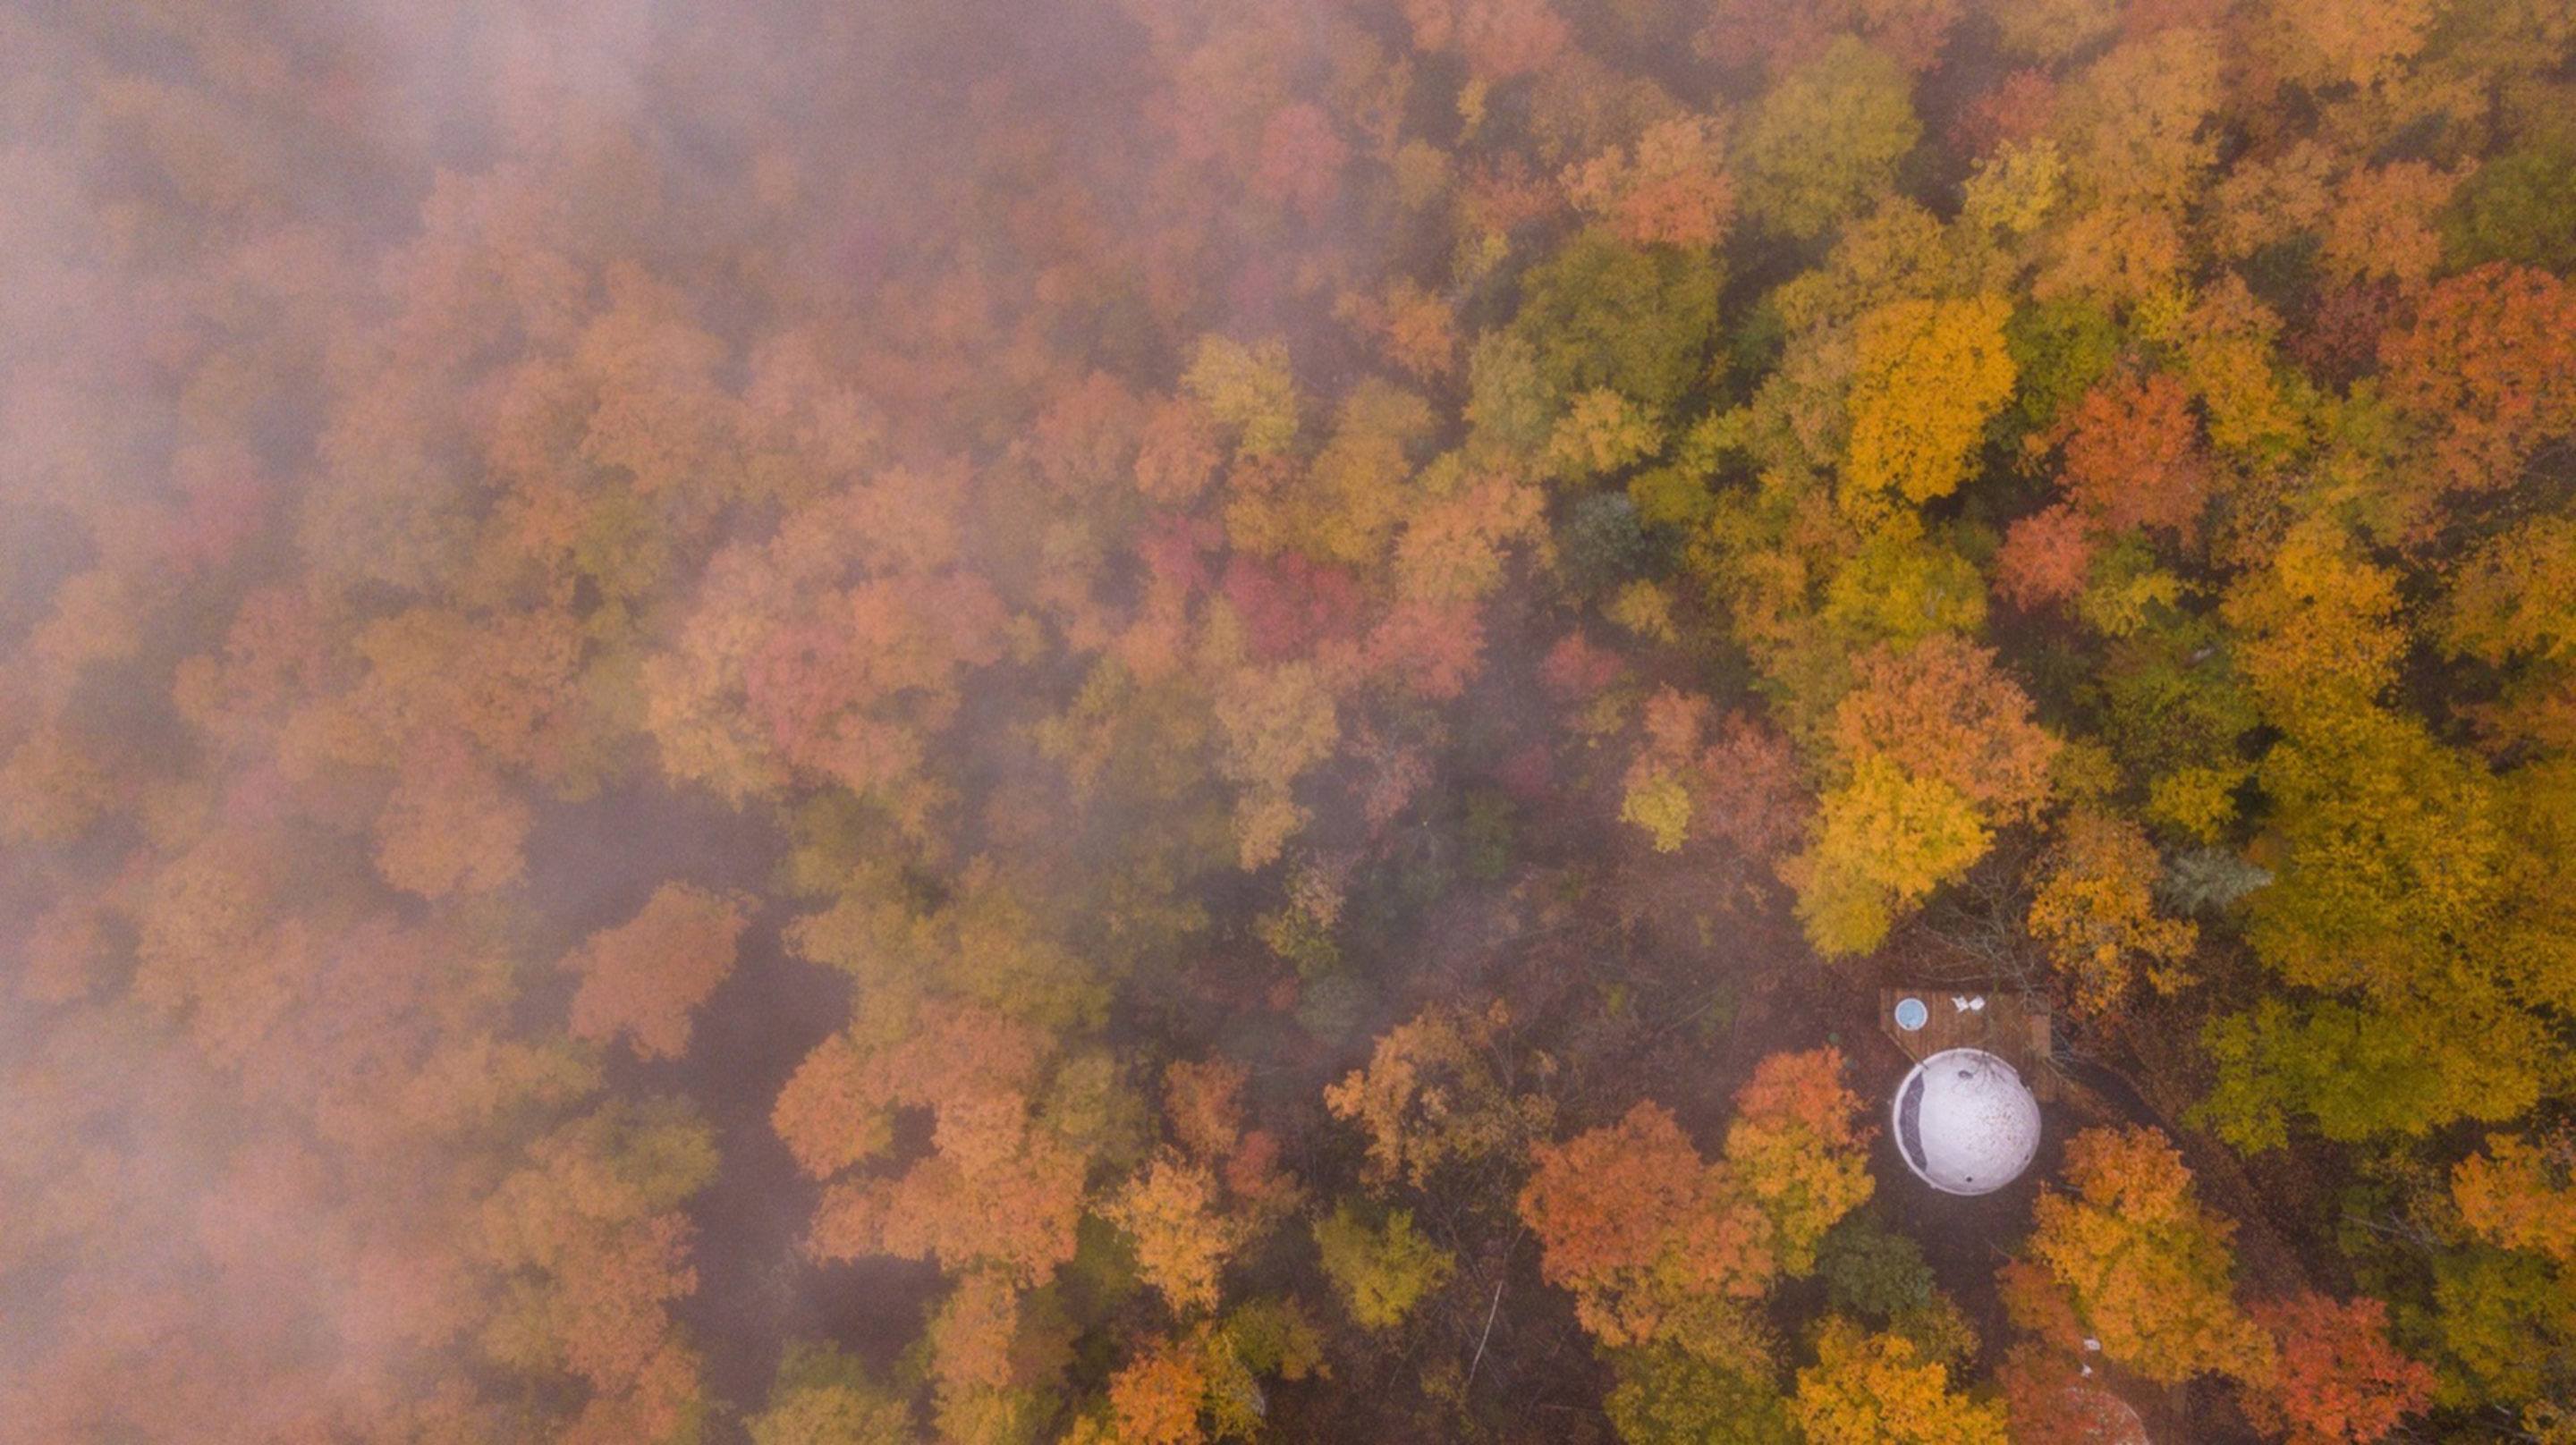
<point>1013,722</point>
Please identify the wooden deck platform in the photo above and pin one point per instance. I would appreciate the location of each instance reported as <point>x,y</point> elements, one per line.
<point>2011,1027</point>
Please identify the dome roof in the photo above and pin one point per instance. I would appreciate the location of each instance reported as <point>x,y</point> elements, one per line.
<point>1965,1123</point>
<point>2105,1417</point>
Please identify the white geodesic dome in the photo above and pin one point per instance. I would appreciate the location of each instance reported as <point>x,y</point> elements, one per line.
<point>1965,1123</point>
<point>2105,1418</point>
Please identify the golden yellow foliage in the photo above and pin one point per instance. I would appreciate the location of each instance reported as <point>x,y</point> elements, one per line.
<point>1182,1238</point>
<point>2095,910</point>
<point>1431,1095</point>
<point>1928,376</point>
<point>1248,390</point>
<point>1869,1389</point>
<point>1660,803</point>
<point>2151,1272</point>
<point>1883,841</point>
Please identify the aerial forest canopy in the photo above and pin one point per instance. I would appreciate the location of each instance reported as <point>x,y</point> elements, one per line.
<point>1013,722</point>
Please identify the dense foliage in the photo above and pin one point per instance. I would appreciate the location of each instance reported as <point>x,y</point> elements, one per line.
<point>1168,721</point>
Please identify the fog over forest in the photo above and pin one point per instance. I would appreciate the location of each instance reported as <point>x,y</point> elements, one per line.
<point>1532,722</point>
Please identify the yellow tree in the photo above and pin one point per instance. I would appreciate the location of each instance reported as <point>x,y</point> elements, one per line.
<point>1432,1095</point>
<point>2148,1269</point>
<point>1276,722</point>
<point>1797,1151</point>
<point>2316,627</point>
<point>1935,746</point>
<point>1875,1389</point>
<point>1182,1237</point>
<point>2095,911</point>
<point>1827,138</point>
<point>1928,376</point>
<point>1381,1273</point>
<point>1248,391</point>
<point>1883,841</point>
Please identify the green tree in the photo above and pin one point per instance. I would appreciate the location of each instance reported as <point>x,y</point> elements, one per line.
<point>823,1397</point>
<point>1826,139</point>
<point>1603,313</point>
<point>1381,1271</point>
<point>1666,1396</point>
<point>2515,208</point>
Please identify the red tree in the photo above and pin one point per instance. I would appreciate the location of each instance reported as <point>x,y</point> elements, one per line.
<point>2489,369</point>
<point>2044,558</point>
<point>2133,456</point>
<point>2339,1382</point>
<point>1301,160</point>
<point>1942,709</point>
<point>645,977</point>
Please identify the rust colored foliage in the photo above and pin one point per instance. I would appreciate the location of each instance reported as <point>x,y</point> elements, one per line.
<point>1433,1095</point>
<point>1416,329</point>
<point>1289,604</point>
<point>1661,1245</point>
<point>849,693</point>
<point>1756,796</point>
<point>1652,1239</point>
<point>1301,160</point>
<point>2521,1194</point>
<point>786,668</point>
<point>51,789</point>
<point>2338,1381</point>
<point>1576,670</point>
<point>2340,342</point>
<point>599,1252</point>
<point>996,1192</point>
<point>1155,1400</point>
<point>1777,34</point>
<point>1733,779</point>
<point>2018,108</point>
<point>2133,457</point>
<point>2095,910</point>
<point>1943,710</point>
<point>2045,1397</point>
<point>1798,1152</point>
<point>830,1114</point>
<point>1499,38</point>
<point>2045,557</point>
<point>1670,189</point>
<point>1082,504</point>
<point>644,978</point>
<point>451,825</point>
<point>1085,441</point>
<point>2488,368</point>
<point>1177,452</point>
<point>1203,1102</point>
<point>999,1189</point>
